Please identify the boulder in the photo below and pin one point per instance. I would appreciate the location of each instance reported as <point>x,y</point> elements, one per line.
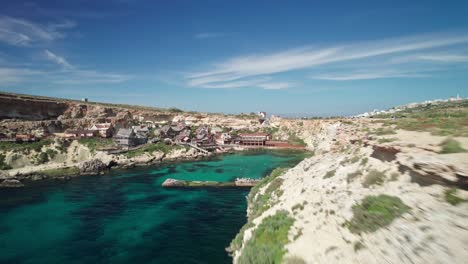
<point>94,166</point>
<point>174,183</point>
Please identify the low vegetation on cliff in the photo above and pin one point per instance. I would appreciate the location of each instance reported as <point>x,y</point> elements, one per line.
<point>450,145</point>
<point>268,240</point>
<point>444,119</point>
<point>25,148</point>
<point>258,203</point>
<point>94,144</point>
<point>452,198</point>
<point>375,212</point>
<point>3,164</point>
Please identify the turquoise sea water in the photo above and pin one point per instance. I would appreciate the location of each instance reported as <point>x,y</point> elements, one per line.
<point>127,217</point>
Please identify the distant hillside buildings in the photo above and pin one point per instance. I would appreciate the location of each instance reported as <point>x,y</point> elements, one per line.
<point>409,106</point>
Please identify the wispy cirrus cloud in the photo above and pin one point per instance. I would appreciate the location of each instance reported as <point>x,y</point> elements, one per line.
<point>21,32</point>
<point>10,76</point>
<point>15,75</point>
<point>57,59</point>
<point>433,57</point>
<point>235,69</point>
<point>65,74</point>
<point>24,33</point>
<point>208,35</point>
<point>76,77</point>
<point>275,85</point>
<point>369,75</point>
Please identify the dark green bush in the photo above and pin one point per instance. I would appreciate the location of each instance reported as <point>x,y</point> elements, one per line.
<point>375,212</point>
<point>3,164</point>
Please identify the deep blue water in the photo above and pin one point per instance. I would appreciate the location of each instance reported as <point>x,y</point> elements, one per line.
<point>127,217</point>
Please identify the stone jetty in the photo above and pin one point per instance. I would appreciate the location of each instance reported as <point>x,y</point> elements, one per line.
<point>239,182</point>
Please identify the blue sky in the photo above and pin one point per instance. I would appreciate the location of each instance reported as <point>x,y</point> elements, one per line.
<point>304,57</point>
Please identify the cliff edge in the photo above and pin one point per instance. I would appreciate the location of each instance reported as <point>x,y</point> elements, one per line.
<point>372,193</point>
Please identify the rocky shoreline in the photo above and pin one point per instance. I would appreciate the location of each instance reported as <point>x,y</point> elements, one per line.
<point>96,166</point>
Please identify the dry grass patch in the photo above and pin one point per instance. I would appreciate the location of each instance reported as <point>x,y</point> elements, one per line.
<point>351,176</point>
<point>329,174</point>
<point>374,177</point>
<point>386,140</point>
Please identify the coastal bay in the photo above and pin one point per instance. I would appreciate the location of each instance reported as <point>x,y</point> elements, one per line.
<point>126,216</point>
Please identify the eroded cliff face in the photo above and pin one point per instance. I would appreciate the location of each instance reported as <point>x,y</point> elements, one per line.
<point>30,109</point>
<point>30,114</point>
<point>362,198</point>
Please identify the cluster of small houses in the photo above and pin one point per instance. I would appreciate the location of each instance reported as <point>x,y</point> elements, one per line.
<point>205,137</point>
<point>177,133</point>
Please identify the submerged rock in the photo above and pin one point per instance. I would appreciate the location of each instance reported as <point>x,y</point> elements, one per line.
<point>11,183</point>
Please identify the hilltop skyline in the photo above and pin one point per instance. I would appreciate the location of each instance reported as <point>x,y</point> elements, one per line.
<point>319,59</point>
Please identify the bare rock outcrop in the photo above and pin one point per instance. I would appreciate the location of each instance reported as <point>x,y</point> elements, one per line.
<point>11,183</point>
<point>429,168</point>
<point>94,166</point>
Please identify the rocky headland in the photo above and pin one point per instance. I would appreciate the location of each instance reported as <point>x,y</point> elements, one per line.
<point>375,191</point>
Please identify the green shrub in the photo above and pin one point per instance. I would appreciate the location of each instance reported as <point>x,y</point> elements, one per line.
<point>25,147</point>
<point>175,110</point>
<point>237,242</point>
<point>62,146</point>
<point>295,140</point>
<point>329,174</point>
<point>51,153</point>
<point>358,246</point>
<point>258,203</point>
<point>443,119</point>
<point>299,206</point>
<point>3,164</point>
<point>386,140</point>
<point>96,143</point>
<point>261,202</point>
<point>450,145</point>
<point>374,177</point>
<point>42,158</point>
<point>274,174</point>
<point>364,161</point>
<point>351,176</point>
<point>264,201</point>
<point>384,131</point>
<point>375,212</point>
<point>452,198</point>
<point>268,240</point>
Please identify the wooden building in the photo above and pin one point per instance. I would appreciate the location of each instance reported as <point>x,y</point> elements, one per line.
<point>126,137</point>
<point>104,130</point>
<point>25,138</point>
<point>253,139</point>
<point>80,133</point>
